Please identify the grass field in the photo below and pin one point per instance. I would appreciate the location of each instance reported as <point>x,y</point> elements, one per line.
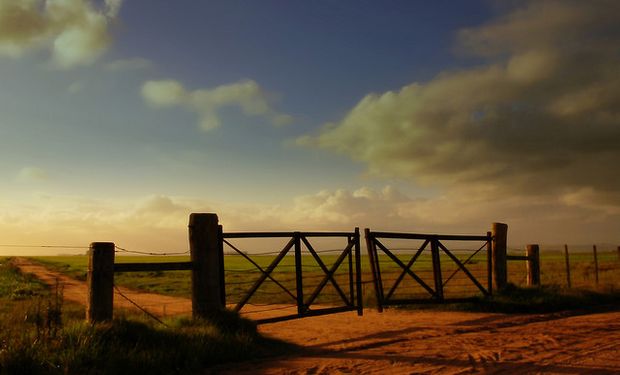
<point>39,334</point>
<point>240,275</point>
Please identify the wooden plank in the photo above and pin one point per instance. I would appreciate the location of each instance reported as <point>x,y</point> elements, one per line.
<point>265,275</point>
<point>594,253</point>
<point>329,275</point>
<point>358,273</point>
<point>284,234</point>
<point>410,272</point>
<point>567,261</point>
<point>517,257</point>
<point>404,272</point>
<point>437,268</point>
<point>428,301</point>
<point>418,236</point>
<point>257,234</point>
<point>308,313</point>
<point>261,270</point>
<point>374,269</point>
<point>153,267</point>
<point>463,268</point>
<point>299,283</point>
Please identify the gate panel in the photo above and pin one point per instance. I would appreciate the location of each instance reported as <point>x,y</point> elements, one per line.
<point>410,268</point>
<point>313,273</point>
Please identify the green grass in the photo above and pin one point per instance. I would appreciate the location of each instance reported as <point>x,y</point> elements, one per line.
<point>545,299</point>
<point>240,275</point>
<point>41,335</point>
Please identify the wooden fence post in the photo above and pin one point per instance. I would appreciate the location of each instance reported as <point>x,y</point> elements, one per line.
<point>100,280</point>
<point>619,253</point>
<point>206,255</point>
<point>567,266</point>
<point>533,265</point>
<point>595,264</point>
<point>500,266</point>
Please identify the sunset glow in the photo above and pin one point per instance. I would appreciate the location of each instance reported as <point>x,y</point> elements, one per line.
<point>119,118</point>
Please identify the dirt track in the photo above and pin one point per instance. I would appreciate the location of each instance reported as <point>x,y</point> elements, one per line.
<point>405,342</point>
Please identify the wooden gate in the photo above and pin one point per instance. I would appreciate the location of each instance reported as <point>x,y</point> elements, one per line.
<point>421,268</point>
<point>301,277</point>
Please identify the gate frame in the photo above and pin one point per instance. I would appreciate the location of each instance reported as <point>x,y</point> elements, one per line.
<point>434,240</point>
<point>351,251</point>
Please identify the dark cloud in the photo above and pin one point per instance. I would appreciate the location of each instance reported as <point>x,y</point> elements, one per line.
<point>539,117</point>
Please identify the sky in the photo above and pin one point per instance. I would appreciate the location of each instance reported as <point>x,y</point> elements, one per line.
<point>119,118</point>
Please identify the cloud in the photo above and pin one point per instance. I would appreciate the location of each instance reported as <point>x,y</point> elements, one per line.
<point>32,174</point>
<point>74,31</point>
<point>539,116</point>
<point>246,95</point>
<point>159,222</point>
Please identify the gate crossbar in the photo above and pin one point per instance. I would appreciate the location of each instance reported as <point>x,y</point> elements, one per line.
<point>463,268</point>
<point>265,274</point>
<point>409,271</point>
<point>260,269</point>
<point>402,275</point>
<point>329,273</point>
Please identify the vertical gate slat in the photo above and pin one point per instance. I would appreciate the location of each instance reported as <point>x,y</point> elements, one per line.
<point>298,275</point>
<point>358,273</point>
<point>436,268</point>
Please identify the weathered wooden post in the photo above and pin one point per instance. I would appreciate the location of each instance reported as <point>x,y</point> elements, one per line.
<point>437,268</point>
<point>206,256</point>
<point>100,280</point>
<point>500,264</point>
<point>595,264</point>
<point>533,265</point>
<point>567,266</point>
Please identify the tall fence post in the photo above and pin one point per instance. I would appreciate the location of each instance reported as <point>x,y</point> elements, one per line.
<point>490,262</point>
<point>500,264</point>
<point>595,264</point>
<point>533,265</point>
<point>100,280</point>
<point>206,255</point>
<point>567,266</point>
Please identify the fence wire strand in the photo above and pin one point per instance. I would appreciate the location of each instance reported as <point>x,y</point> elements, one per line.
<point>123,250</point>
<point>148,313</point>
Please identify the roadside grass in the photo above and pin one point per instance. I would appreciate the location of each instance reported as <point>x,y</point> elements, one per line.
<point>39,334</point>
<point>534,300</point>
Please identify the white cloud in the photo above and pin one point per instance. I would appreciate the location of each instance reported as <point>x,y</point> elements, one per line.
<point>246,95</point>
<point>75,32</point>
<point>539,118</point>
<point>159,222</point>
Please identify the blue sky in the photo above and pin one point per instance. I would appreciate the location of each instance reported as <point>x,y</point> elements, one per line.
<point>412,115</point>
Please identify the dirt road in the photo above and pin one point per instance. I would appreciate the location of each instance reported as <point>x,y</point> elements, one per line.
<point>429,342</point>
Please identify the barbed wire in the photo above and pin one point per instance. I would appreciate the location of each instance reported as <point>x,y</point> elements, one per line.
<point>149,314</point>
<point>123,250</point>
<point>45,246</point>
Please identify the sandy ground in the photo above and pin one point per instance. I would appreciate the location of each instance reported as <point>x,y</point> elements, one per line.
<point>414,342</point>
